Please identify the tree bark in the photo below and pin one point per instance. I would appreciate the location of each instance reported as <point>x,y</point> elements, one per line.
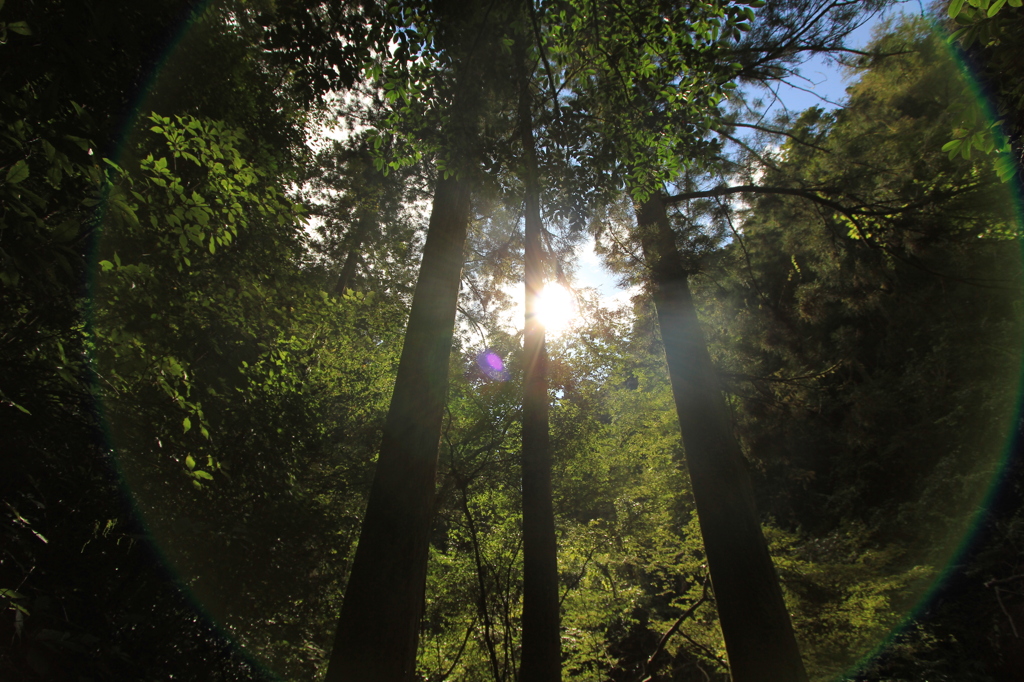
<point>758,634</point>
<point>541,656</point>
<point>358,236</point>
<point>377,631</point>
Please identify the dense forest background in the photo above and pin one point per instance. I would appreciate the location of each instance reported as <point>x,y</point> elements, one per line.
<point>204,299</point>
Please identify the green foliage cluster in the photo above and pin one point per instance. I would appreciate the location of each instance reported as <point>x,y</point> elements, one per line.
<point>198,331</point>
<point>874,352</point>
<point>984,34</point>
<point>650,81</point>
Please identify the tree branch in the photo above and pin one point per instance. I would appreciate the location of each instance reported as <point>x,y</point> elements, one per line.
<point>675,626</point>
<point>755,189</point>
<point>772,131</point>
<point>544,58</point>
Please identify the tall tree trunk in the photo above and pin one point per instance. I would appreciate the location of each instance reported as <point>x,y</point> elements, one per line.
<point>355,243</point>
<point>541,657</point>
<point>377,631</point>
<point>758,634</point>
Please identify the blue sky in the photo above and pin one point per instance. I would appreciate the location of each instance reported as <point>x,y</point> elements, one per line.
<point>822,84</point>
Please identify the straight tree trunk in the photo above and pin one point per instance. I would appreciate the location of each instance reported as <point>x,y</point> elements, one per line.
<point>758,634</point>
<point>541,656</point>
<point>379,624</point>
<point>355,243</point>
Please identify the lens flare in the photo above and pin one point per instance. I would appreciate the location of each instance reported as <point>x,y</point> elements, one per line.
<point>492,365</point>
<point>557,310</point>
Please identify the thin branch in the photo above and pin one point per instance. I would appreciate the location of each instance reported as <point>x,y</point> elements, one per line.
<point>810,91</point>
<point>446,435</point>
<point>482,586</point>
<point>998,581</point>
<point>544,58</point>
<point>746,254</point>
<point>859,53</point>
<point>806,27</point>
<point>576,582</point>
<point>675,626</point>
<point>458,656</point>
<point>755,189</point>
<point>772,131</point>
<point>1013,626</point>
<point>704,650</point>
<point>850,213</point>
<point>468,316</point>
<point>782,380</point>
<point>761,158</point>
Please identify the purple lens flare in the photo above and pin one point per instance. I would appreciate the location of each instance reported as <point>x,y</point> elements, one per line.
<point>492,365</point>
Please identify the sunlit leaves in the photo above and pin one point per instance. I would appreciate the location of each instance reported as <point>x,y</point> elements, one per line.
<point>649,78</point>
<point>985,33</point>
<point>985,8</point>
<point>192,192</point>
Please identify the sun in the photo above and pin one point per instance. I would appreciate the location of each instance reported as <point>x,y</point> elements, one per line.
<point>557,309</point>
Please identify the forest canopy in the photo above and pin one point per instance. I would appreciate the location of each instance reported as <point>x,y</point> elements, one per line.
<point>274,348</point>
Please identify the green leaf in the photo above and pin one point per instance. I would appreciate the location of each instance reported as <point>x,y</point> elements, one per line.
<point>66,231</point>
<point>190,462</point>
<point>1005,168</point>
<point>955,7</point>
<point>983,141</point>
<point>952,147</point>
<point>17,172</point>
<point>199,473</point>
<point>19,27</point>
<point>82,143</point>
<point>54,176</point>
<point>186,423</point>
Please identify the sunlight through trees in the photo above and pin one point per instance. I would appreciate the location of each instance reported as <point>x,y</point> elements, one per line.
<point>282,407</point>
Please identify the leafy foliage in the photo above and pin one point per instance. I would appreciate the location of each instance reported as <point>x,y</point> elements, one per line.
<point>983,36</point>
<point>216,366</point>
